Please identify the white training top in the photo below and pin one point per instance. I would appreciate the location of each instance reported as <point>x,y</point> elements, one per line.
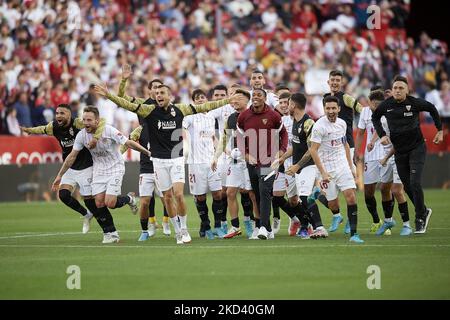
<point>385,126</point>
<point>106,156</point>
<point>201,130</point>
<point>331,136</point>
<point>288,122</point>
<point>271,99</point>
<point>365,122</point>
<point>221,115</point>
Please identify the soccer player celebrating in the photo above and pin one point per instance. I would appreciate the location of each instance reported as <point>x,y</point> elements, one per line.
<point>257,81</point>
<point>237,174</point>
<point>402,114</point>
<point>285,183</point>
<point>374,172</point>
<point>303,168</point>
<point>200,137</point>
<point>147,185</point>
<point>263,140</point>
<point>108,168</point>
<point>331,154</point>
<point>347,105</point>
<point>65,128</point>
<point>164,124</point>
<point>221,115</point>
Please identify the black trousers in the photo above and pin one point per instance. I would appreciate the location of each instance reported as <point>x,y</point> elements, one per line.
<point>263,192</point>
<point>410,168</point>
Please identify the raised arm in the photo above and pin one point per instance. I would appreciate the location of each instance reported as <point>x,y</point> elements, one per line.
<point>351,102</point>
<point>48,129</point>
<point>98,133</point>
<point>126,73</point>
<point>142,110</point>
<point>188,109</point>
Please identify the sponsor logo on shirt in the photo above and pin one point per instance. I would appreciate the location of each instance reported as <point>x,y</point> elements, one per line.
<point>167,125</point>
<point>67,143</point>
<point>407,114</point>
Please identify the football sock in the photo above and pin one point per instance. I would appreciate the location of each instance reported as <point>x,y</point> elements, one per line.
<point>371,204</point>
<point>121,201</point>
<point>388,208</point>
<point>66,197</point>
<point>352,214</point>
<point>217,208</point>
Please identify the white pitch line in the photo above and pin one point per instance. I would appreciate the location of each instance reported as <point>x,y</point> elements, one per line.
<point>227,246</point>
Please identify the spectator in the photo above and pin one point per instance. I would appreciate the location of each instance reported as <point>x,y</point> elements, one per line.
<point>12,123</point>
<point>23,112</point>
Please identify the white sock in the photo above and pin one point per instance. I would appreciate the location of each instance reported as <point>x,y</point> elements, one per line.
<point>320,228</point>
<point>223,223</point>
<point>183,224</point>
<point>337,215</point>
<point>388,219</point>
<point>175,224</point>
<point>295,219</point>
<point>246,218</point>
<point>406,224</point>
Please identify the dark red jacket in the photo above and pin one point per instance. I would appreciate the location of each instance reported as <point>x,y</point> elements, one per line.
<point>263,133</point>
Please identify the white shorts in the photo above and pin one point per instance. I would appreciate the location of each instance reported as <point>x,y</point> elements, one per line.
<point>111,185</point>
<point>305,180</point>
<point>372,172</point>
<point>389,172</point>
<point>280,183</point>
<point>147,185</point>
<point>81,178</point>
<point>238,177</point>
<point>285,182</point>
<point>168,172</point>
<point>202,179</point>
<point>340,180</point>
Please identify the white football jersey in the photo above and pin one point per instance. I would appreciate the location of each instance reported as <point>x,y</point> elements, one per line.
<point>331,136</point>
<point>106,156</point>
<point>288,122</point>
<point>221,115</point>
<point>201,130</point>
<point>365,122</point>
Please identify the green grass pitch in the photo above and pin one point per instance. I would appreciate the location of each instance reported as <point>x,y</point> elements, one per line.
<point>38,241</point>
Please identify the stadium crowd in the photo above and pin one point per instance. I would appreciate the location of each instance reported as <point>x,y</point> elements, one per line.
<point>52,51</point>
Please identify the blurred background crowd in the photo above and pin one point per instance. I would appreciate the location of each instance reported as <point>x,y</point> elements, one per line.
<point>51,52</point>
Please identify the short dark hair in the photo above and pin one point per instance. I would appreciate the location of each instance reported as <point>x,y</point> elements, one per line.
<point>299,100</point>
<point>256,70</point>
<point>261,89</point>
<point>153,81</point>
<point>284,95</point>
<point>244,92</point>
<point>220,87</point>
<point>65,106</point>
<point>92,109</point>
<point>281,86</point>
<point>335,72</point>
<point>376,87</point>
<point>330,99</point>
<point>376,95</point>
<point>196,93</point>
<point>400,78</point>
<point>164,86</point>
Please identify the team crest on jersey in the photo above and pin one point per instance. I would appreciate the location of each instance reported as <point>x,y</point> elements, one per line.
<point>71,131</point>
<point>264,121</point>
<point>172,112</point>
<point>408,108</point>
